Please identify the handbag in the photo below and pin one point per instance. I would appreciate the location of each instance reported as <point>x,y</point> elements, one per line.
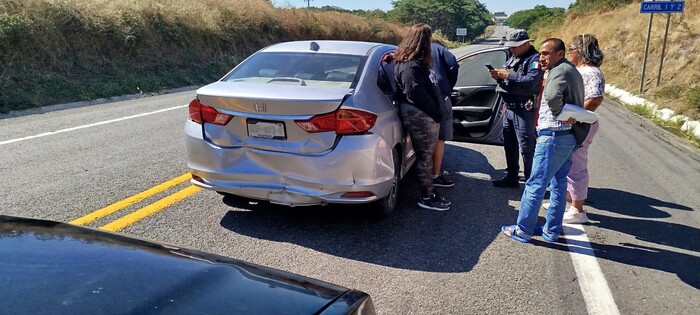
<point>580,130</point>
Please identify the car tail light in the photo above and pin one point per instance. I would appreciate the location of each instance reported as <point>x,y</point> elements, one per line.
<point>343,122</point>
<point>201,113</point>
<point>320,123</point>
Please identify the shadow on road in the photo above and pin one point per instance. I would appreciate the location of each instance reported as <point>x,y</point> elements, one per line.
<point>668,234</point>
<point>411,238</point>
<point>685,266</point>
<point>630,204</point>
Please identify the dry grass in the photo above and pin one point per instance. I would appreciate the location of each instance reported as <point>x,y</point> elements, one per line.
<point>304,24</point>
<point>622,35</point>
<point>65,50</point>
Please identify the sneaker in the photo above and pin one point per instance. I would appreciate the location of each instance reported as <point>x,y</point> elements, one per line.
<point>442,199</point>
<point>506,182</point>
<point>443,181</point>
<point>572,216</point>
<point>434,202</point>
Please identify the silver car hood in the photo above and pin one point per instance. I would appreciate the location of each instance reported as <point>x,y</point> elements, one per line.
<point>272,99</point>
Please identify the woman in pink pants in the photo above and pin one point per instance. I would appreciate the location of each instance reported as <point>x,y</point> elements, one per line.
<point>587,56</point>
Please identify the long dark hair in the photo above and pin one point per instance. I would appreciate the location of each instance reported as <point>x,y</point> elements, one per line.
<point>587,45</point>
<point>416,45</point>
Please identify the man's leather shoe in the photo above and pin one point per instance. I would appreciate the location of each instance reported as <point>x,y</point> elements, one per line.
<point>507,182</point>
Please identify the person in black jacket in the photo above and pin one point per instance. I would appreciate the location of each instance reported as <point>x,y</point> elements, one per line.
<point>446,69</point>
<point>421,107</point>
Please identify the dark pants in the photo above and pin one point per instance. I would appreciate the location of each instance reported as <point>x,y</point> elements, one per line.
<point>424,135</point>
<point>519,137</point>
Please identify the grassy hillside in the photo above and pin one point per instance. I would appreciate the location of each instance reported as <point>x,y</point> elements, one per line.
<point>54,51</point>
<point>622,33</point>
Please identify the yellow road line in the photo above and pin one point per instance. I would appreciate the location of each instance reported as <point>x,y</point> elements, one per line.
<point>130,201</point>
<point>150,209</point>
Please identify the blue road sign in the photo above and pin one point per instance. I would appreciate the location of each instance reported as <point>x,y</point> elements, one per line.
<point>662,7</point>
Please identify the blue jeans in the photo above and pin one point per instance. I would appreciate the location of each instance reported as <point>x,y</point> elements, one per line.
<point>519,139</point>
<point>551,163</point>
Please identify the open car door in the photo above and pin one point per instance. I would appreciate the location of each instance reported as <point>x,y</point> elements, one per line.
<point>476,107</point>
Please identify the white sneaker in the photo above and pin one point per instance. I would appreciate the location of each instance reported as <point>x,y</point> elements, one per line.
<point>574,217</point>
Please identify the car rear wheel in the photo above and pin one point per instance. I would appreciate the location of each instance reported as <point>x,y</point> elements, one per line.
<point>387,205</point>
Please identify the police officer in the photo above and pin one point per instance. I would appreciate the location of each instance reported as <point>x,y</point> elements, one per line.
<point>518,84</point>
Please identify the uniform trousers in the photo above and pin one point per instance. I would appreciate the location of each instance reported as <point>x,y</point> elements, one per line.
<point>519,136</point>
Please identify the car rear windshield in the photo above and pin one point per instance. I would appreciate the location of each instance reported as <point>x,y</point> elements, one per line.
<point>303,69</point>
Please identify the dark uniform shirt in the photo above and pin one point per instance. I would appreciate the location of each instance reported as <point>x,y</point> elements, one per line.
<point>525,77</point>
<point>446,68</point>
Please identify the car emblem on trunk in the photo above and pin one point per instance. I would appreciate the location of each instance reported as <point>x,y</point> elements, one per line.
<point>259,107</point>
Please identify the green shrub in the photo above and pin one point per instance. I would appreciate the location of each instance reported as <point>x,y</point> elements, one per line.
<point>693,97</point>
<point>539,15</point>
<point>14,30</point>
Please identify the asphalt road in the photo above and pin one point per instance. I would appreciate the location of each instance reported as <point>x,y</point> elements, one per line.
<point>644,202</point>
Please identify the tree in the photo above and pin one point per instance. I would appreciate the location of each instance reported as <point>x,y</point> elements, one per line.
<point>526,18</point>
<point>444,16</point>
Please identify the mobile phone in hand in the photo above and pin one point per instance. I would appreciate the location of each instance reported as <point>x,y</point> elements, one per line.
<point>488,66</point>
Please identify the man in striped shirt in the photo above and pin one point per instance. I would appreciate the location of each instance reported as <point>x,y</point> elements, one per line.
<point>555,144</point>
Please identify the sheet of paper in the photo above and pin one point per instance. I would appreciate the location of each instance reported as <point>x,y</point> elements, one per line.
<point>577,112</point>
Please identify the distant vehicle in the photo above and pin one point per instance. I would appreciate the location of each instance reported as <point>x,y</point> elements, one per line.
<point>317,122</point>
<point>57,268</point>
<point>502,41</point>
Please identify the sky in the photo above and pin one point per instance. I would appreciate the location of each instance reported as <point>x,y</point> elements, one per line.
<point>507,6</point>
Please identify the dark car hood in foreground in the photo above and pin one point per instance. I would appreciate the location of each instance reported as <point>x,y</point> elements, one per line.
<point>48,267</point>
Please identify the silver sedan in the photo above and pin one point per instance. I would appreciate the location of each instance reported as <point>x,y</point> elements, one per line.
<point>314,123</point>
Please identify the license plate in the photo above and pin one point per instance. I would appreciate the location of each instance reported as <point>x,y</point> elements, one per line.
<point>266,129</point>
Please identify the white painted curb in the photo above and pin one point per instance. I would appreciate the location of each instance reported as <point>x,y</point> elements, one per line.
<point>689,126</point>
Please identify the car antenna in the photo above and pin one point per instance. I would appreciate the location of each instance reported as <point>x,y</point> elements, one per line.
<point>314,46</point>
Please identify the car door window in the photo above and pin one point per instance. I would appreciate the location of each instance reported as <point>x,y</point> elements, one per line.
<point>385,78</point>
<point>475,73</point>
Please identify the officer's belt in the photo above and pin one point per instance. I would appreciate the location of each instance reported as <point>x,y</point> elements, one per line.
<point>516,105</point>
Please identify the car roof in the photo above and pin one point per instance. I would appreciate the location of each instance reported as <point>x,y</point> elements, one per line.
<point>326,46</point>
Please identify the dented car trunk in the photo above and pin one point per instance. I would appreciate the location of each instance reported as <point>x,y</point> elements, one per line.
<point>268,121</point>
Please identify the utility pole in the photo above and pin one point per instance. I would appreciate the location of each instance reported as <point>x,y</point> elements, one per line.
<point>308,3</point>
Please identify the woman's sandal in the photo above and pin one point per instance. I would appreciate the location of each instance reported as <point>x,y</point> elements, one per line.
<point>510,231</point>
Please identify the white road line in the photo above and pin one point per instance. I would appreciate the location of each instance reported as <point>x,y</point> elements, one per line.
<point>88,126</point>
<point>594,287</point>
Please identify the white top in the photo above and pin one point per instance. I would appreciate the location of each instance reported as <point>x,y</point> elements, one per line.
<point>593,81</point>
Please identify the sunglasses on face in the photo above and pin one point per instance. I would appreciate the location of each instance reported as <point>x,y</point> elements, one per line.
<point>572,48</point>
